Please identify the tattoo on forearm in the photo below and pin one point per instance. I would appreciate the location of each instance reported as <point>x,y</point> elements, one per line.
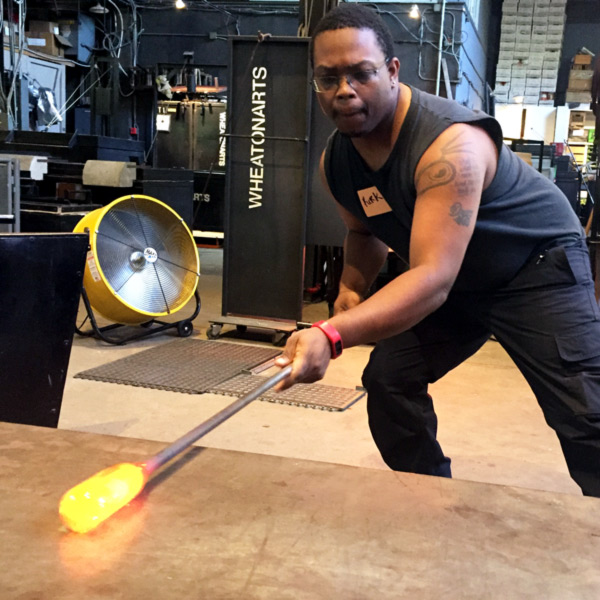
<point>460,215</point>
<point>435,174</point>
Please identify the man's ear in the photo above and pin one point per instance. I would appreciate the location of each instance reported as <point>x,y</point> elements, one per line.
<point>395,64</point>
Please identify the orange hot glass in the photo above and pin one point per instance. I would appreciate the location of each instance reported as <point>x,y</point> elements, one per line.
<point>94,500</point>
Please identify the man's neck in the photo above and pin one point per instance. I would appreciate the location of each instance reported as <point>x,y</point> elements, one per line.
<point>376,147</point>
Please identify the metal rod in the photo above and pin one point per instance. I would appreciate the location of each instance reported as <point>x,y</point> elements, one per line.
<point>178,446</point>
<point>277,138</point>
<point>441,42</point>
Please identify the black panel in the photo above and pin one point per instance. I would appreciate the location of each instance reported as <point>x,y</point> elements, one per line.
<point>209,123</point>
<point>266,178</point>
<point>174,187</point>
<point>193,139</point>
<point>173,146</point>
<point>209,200</point>
<point>40,285</point>
<point>324,225</point>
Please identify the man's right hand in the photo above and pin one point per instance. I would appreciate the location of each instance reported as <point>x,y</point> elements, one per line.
<point>309,352</point>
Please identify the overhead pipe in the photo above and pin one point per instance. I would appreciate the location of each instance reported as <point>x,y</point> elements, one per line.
<point>441,40</point>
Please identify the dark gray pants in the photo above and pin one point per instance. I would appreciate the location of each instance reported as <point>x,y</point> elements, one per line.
<point>547,320</point>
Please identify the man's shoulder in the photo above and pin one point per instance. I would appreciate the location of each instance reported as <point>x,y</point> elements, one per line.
<point>445,107</point>
<point>447,112</point>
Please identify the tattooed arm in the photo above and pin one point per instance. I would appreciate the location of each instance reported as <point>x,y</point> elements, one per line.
<point>450,178</point>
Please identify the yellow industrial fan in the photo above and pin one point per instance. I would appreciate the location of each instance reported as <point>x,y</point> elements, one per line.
<point>142,265</point>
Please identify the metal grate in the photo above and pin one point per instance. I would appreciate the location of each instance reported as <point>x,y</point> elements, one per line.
<point>308,395</point>
<point>188,366</point>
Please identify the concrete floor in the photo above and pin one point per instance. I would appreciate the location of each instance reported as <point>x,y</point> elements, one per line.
<point>489,422</point>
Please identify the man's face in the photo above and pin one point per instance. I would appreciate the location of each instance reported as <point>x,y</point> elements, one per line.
<point>359,106</point>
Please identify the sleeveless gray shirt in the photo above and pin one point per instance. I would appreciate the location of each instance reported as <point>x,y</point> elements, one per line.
<point>521,212</point>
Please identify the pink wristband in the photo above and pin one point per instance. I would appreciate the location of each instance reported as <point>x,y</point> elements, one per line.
<point>335,339</point>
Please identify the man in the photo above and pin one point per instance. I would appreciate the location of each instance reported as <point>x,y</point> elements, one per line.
<point>491,246</point>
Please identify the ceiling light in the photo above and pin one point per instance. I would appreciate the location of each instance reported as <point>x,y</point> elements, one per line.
<point>98,9</point>
<point>414,12</point>
<point>179,4</point>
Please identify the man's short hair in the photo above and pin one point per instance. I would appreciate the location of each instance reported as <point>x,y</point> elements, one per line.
<point>355,16</point>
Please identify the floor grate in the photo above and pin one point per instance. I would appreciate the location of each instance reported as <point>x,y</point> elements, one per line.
<point>188,366</point>
<point>308,395</point>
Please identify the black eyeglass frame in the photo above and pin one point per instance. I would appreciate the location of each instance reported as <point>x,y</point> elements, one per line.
<point>350,78</point>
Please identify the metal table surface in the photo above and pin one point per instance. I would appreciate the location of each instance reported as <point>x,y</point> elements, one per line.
<point>220,524</point>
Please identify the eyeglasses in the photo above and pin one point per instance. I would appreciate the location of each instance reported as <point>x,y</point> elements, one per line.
<point>328,83</point>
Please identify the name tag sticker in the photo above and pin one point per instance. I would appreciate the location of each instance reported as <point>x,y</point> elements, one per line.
<point>373,202</point>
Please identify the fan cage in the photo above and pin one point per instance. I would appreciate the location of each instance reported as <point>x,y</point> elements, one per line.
<point>143,261</point>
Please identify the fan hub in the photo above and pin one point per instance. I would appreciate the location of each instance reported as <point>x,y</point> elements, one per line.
<point>140,259</point>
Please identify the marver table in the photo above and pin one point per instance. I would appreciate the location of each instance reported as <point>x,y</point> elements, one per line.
<point>218,524</point>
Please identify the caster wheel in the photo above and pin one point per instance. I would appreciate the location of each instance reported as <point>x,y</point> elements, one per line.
<point>185,328</point>
<point>212,333</point>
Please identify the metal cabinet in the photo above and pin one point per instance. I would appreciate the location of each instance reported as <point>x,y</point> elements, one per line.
<point>190,135</point>
<point>9,196</point>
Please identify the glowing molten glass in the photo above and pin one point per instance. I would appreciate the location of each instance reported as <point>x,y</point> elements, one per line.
<point>92,501</point>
